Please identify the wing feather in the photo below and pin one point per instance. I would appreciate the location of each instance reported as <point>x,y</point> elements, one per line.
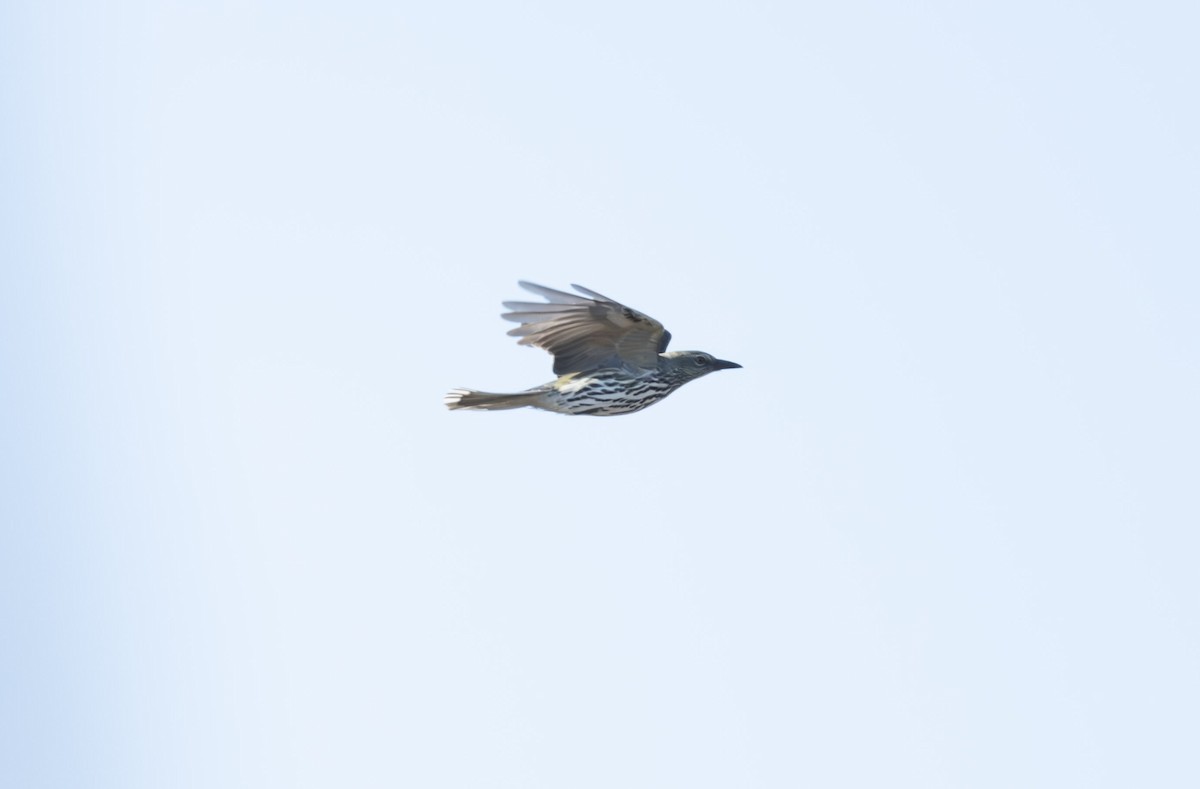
<point>586,332</point>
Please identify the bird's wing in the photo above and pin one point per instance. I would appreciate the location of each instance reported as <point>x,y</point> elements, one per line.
<point>587,333</point>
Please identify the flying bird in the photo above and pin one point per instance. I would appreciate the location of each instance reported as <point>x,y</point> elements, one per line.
<point>609,359</point>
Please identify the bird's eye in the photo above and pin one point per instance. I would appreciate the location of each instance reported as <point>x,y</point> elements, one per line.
<point>703,360</point>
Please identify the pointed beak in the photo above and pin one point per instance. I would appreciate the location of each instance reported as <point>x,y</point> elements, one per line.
<point>721,364</point>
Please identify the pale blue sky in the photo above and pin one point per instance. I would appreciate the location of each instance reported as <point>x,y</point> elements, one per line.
<point>939,532</point>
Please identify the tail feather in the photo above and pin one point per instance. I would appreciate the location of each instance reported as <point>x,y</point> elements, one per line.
<point>488,401</point>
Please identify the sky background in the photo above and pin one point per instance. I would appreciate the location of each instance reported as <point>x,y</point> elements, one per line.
<point>940,531</point>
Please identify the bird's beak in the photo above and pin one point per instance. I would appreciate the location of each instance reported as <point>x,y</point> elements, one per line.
<point>721,364</point>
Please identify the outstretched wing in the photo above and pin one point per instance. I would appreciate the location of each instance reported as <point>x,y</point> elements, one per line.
<point>587,333</point>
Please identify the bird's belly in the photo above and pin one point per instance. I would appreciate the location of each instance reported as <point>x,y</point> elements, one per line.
<point>608,394</point>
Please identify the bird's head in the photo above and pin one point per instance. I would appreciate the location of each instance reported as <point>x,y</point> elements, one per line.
<point>693,364</point>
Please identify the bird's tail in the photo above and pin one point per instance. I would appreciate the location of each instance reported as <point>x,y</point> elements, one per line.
<point>488,401</point>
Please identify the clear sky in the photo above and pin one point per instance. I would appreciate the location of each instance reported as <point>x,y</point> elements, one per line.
<point>940,531</point>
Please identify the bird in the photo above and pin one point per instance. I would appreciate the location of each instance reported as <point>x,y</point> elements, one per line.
<point>609,359</point>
